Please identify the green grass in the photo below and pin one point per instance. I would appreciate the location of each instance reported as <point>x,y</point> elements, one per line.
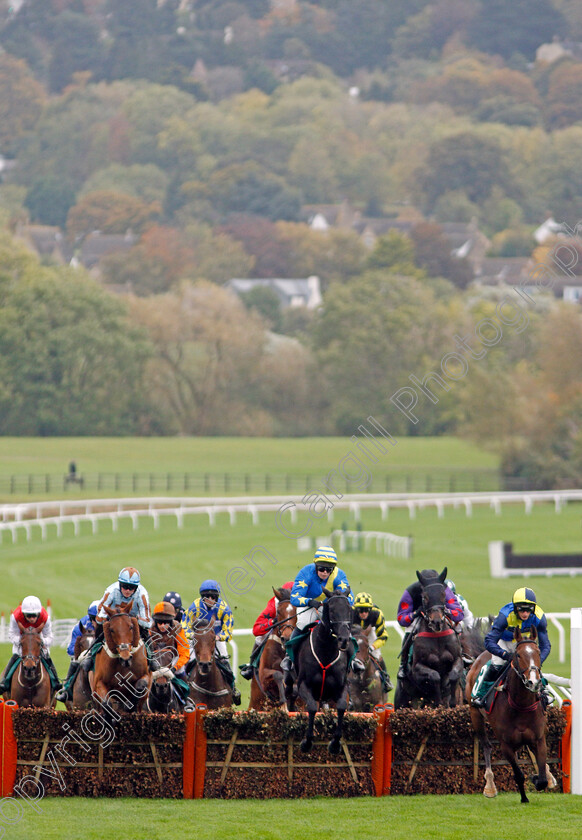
<point>282,455</point>
<point>418,817</point>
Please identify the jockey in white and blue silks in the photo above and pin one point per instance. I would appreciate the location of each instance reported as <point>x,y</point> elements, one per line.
<point>127,588</point>
<point>88,624</point>
<point>307,593</point>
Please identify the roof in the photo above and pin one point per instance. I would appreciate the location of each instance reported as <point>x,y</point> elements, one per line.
<point>303,291</point>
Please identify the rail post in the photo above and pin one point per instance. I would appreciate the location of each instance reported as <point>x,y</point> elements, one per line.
<point>388,749</point>
<point>8,748</point>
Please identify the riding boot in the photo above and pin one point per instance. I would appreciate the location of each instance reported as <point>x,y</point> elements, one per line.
<point>224,665</point>
<point>52,671</point>
<point>66,693</point>
<point>404,652</point>
<point>289,659</point>
<point>487,677</point>
<point>246,670</point>
<point>5,686</point>
<point>144,634</point>
<point>385,680</point>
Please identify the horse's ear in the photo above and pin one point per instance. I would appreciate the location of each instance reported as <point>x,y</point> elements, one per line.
<point>443,575</point>
<point>533,633</point>
<point>126,607</point>
<point>276,592</point>
<point>517,634</point>
<point>419,575</point>
<point>328,593</point>
<point>109,611</point>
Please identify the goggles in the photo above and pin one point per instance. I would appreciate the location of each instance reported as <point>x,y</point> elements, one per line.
<point>327,569</point>
<point>524,608</point>
<point>213,595</point>
<point>30,616</point>
<point>130,587</point>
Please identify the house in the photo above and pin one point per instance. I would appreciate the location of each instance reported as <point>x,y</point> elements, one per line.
<point>46,241</point>
<point>291,292</point>
<point>96,245</point>
<point>467,241</point>
<point>503,271</point>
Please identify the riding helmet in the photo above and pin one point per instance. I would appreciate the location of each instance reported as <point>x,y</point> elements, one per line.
<point>92,610</point>
<point>325,555</point>
<point>363,601</point>
<point>164,612</point>
<point>210,587</point>
<point>31,605</point>
<point>129,575</point>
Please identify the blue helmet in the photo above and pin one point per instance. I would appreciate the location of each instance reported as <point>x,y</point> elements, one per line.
<point>129,575</point>
<point>92,611</point>
<point>208,586</point>
<point>174,599</point>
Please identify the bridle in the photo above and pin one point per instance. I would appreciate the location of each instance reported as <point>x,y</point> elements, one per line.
<point>527,683</point>
<point>429,610</point>
<point>122,646</point>
<point>330,623</point>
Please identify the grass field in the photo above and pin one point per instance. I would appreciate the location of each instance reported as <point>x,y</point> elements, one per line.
<point>418,817</point>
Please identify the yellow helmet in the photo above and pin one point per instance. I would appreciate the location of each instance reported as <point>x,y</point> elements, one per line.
<point>524,596</point>
<point>325,555</point>
<point>363,601</point>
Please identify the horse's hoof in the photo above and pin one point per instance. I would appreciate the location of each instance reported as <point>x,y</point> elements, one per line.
<point>334,747</point>
<point>305,745</point>
<point>490,794</point>
<point>524,799</point>
<point>540,784</point>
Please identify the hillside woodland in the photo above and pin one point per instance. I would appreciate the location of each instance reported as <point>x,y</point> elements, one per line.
<point>196,141</point>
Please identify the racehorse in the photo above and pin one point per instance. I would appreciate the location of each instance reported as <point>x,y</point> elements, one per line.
<point>364,685</point>
<point>122,677</point>
<point>31,684</point>
<point>436,660</point>
<point>207,682</point>
<point>268,683</point>
<point>322,664</point>
<point>162,697</point>
<point>517,716</point>
<point>81,687</point>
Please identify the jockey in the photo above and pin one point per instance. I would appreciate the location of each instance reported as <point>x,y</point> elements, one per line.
<point>165,621</point>
<point>469,619</point>
<point>126,588</point>
<point>30,613</point>
<point>367,614</point>
<point>409,612</point>
<point>522,612</point>
<point>88,624</point>
<point>175,600</point>
<point>261,629</point>
<point>307,593</point>
<point>212,608</point>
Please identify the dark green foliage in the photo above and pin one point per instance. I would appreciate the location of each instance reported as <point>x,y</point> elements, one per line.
<point>266,302</point>
<point>506,27</point>
<point>49,200</point>
<point>77,47</point>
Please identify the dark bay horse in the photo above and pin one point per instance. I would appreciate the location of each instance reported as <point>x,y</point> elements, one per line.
<point>81,687</point>
<point>207,682</point>
<point>122,677</point>
<point>31,684</point>
<point>517,716</point>
<point>364,685</point>
<point>433,678</point>
<point>162,697</point>
<point>322,665</point>
<point>268,683</point>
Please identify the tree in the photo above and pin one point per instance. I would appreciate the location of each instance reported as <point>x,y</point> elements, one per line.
<point>266,302</point>
<point>432,251</point>
<point>21,102</point>
<point>70,363</point>
<point>520,26</point>
<point>394,252</point>
<point>565,95</point>
<point>77,47</point>
<point>111,212</point>
<point>206,367</point>
<point>49,200</point>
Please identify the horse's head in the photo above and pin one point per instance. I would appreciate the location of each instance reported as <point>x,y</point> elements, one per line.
<point>286,618</point>
<point>121,632</point>
<point>434,598</point>
<point>337,615</point>
<point>204,645</point>
<point>526,660</point>
<point>31,645</point>
<point>84,641</point>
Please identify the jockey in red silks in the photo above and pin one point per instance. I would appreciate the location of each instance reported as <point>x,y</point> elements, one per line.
<point>30,613</point>
<point>408,613</point>
<point>261,629</point>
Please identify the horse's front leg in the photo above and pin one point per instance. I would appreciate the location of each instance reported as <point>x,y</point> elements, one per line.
<point>341,706</point>
<point>311,707</point>
<point>509,754</point>
<point>541,780</point>
<point>279,682</point>
<point>429,682</point>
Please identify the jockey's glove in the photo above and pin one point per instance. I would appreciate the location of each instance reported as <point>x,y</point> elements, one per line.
<point>507,656</point>
<point>313,602</point>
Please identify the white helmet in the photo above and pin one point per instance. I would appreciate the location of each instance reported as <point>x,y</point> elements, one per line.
<point>31,605</point>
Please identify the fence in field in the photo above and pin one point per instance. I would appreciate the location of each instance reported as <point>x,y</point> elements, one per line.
<point>229,755</point>
<point>437,480</point>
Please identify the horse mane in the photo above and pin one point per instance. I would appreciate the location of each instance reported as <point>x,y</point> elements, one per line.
<point>201,624</point>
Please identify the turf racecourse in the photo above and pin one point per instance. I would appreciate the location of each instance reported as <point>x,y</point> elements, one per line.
<point>419,817</point>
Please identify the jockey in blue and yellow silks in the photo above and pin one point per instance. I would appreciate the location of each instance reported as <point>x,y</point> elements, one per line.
<point>307,593</point>
<point>212,608</point>
<point>522,612</point>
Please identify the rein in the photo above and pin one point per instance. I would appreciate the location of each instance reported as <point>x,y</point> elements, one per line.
<point>323,667</point>
<point>436,634</point>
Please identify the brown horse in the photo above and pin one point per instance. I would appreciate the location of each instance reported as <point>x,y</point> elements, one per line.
<point>517,716</point>
<point>162,697</point>
<point>31,684</point>
<point>207,682</point>
<point>364,685</point>
<point>81,687</point>
<point>268,683</point>
<point>121,679</point>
